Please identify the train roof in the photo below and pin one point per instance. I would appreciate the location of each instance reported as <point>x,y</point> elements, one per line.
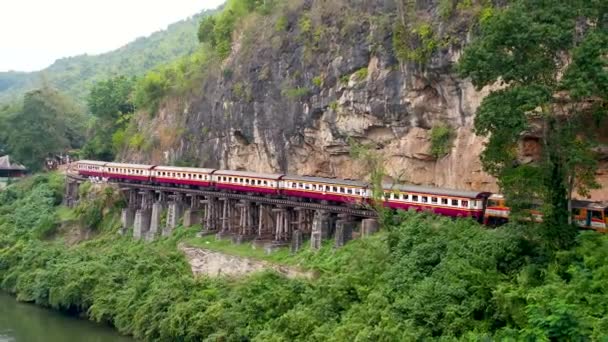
<point>273,176</point>
<point>435,191</point>
<point>324,180</point>
<point>92,162</point>
<point>183,169</point>
<point>580,204</point>
<point>131,166</point>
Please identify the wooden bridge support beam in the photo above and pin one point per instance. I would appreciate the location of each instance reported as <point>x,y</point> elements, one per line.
<point>211,216</point>
<point>193,214</point>
<point>230,218</point>
<point>72,193</point>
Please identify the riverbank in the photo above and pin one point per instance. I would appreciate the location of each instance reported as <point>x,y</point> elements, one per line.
<point>423,277</point>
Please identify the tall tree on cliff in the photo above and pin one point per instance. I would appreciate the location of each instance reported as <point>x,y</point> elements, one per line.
<point>550,61</point>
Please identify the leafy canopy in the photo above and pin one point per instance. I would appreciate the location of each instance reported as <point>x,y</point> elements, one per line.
<point>548,59</point>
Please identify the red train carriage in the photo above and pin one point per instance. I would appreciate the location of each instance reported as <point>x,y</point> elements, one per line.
<point>265,183</point>
<point>182,176</point>
<point>448,202</point>
<point>128,172</point>
<point>325,189</point>
<point>91,168</point>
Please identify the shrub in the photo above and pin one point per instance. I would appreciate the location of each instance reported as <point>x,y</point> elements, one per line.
<point>296,93</point>
<point>281,24</point>
<point>415,44</point>
<point>441,140</point>
<point>318,81</point>
<point>360,75</point>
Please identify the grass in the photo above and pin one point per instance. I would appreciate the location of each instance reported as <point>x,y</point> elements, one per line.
<point>65,214</point>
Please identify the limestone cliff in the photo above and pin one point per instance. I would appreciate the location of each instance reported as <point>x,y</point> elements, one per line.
<point>303,82</point>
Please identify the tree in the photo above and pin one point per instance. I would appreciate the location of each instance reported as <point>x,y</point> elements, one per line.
<point>47,123</point>
<point>549,57</point>
<point>111,104</point>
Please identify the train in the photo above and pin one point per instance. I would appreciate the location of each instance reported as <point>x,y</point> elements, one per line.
<point>485,207</point>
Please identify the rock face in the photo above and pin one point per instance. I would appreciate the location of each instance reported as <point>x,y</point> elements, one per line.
<point>215,264</point>
<point>291,98</point>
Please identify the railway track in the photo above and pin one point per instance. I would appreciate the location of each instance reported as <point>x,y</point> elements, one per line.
<point>359,212</point>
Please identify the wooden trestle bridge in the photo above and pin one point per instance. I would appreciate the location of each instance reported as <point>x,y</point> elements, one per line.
<point>267,221</point>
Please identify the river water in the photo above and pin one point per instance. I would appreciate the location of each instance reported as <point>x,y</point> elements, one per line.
<point>21,322</point>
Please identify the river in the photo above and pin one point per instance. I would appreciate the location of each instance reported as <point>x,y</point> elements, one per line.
<point>21,322</point>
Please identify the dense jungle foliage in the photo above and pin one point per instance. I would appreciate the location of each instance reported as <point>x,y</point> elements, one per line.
<point>422,277</point>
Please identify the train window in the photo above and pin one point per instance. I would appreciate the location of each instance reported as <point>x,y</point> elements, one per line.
<point>596,214</point>
<point>342,190</point>
<point>294,185</point>
<point>414,198</point>
<point>464,204</point>
<point>306,186</point>
<point>314,187</point>
<point>265,182</point>
<point>455,202</point>
<point>576,211</point>
<point>434,200</point>
<point>349,191</point>
<point>444,201</point>
<point>358,192</point>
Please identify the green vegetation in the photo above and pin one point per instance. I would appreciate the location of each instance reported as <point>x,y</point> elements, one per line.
<point>424,277</point>
<point>360,75</point>
<point>522,47</point>
<point>217,30</point>
<point>318,81</point>
<point>296,93</point>
<point>415,44</point>
<point>441,140</point>
<point>112,108</point>
<point>46,122</point>
<point>75,75</point>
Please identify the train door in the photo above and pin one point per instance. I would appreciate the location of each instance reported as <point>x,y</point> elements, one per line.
<point>596,219</point>
<point>581,217</point>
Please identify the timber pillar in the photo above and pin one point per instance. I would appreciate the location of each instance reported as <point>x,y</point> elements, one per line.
<point>211,215</point>
<point>247,219</point>
<point>229,219</point>
<point>70,198</point>
<point>193,215</point>
<point>296,241</point>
